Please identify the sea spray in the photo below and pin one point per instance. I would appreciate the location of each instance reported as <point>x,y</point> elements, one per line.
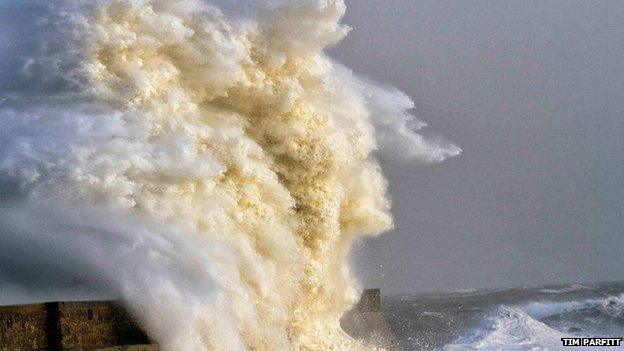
<point>209,162</point>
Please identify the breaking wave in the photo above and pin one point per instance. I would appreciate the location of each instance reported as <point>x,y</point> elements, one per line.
<point>206,159</point>
<point>541,325</point>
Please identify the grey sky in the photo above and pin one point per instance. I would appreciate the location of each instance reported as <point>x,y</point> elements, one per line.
<point>533,92</point>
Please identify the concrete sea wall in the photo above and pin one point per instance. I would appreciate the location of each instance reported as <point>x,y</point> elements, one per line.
<point>23,327</point>
<point>106,326</point>
<point>67,325</point>
<point>366,322</point>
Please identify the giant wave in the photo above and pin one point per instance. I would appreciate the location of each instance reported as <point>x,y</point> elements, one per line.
<point>205,159</point>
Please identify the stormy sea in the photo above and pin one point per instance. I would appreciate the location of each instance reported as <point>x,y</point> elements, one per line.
<point>507,319</point>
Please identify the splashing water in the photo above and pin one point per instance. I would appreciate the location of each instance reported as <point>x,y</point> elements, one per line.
<point>207,160</point>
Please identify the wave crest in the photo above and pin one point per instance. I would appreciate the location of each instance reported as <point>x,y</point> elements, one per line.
<point>224,162</point>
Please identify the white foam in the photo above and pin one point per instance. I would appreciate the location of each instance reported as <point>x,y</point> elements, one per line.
<point>511,329</point>
<point>210,163</point>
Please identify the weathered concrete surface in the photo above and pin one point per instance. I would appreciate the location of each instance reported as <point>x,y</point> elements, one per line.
<point>370,301</point>
<point>22,327</point>
<point>67,325</point>
<point>84,325</point>
<point>366,322</point>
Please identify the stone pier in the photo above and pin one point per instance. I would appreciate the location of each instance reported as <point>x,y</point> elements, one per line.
<point>366,322</point>
<point>106,326</point>
<point>67,325</point>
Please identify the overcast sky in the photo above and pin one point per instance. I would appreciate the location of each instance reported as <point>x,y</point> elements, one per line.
<point>533,92</point>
